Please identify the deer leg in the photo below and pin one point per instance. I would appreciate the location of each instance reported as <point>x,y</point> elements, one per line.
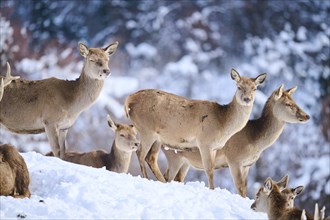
<point>237,176</point>
<point>182,173</point>
<point>174,163</point>
<point>245,172</point>
<point>62,142</point>
<point>52,133</point>
<point>142,152</point>
<point>208,157</point>
<point>152,158</point>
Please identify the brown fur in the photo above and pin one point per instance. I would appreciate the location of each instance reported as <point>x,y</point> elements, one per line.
<point>277,206</point>
<point>118,160</point>
<point>178,122</point>
<point>52,105</point>
<point>15,177</point>
<point>244,148</point>
<point>289,194</point>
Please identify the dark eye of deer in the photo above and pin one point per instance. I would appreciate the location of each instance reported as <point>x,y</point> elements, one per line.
<point>121,135</point>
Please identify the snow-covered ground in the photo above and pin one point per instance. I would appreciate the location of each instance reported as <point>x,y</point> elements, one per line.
<point>62,190</point>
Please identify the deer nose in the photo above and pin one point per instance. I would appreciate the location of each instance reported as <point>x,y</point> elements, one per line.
<point>247,100</point>
<point>106,71</point>
<point>253,206</point>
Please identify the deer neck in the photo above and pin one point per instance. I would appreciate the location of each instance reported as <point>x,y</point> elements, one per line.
<point>87,90</point>
<point>267,128</point>
<point>276,205</point>
<point>119,160</point>
<point>236,115</point>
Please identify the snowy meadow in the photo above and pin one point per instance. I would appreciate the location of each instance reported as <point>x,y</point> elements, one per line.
<point>62,190</point>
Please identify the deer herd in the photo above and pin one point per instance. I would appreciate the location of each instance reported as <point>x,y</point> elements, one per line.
<point>198,133</point>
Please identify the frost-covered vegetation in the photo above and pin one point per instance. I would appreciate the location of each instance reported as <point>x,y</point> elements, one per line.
<point>187,48</point>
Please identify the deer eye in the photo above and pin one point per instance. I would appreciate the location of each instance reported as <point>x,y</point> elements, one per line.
<point>239,88</point>
<point>121,135</point>
<point>289,105</point>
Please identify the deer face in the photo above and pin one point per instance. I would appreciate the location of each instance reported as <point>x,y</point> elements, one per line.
<point>126,138</point>
<point>96,63</point>
<point>286,109</point>
<point>260,203</point>
<point>290,194</point>
<point>246,87</point>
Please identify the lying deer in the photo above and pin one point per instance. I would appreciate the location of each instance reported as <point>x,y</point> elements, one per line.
<point>244,148</point>
<point>52,105</point>
<point>6,81</point>
<point>14,179</point>
<point>119,158</point>
<point>277,207</point>
<point>260,203</point>
<point>181,123</point>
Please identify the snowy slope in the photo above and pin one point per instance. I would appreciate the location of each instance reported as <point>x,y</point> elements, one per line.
<point>62,190</point>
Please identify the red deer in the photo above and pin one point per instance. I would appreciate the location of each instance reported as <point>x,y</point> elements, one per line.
<point>244,148</point>
<point>52,105</point>
<point>119,158</point>
<point>14,179</point>
<point>260,203</point>
<point>277,207</point>
<point>178,122</point>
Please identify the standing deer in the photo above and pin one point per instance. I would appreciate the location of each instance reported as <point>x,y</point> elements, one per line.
<point>277,207</point>
<point>260,203</point>
<point>118,160</point>
<point>244,148</point>
<point>6,81</point>
<point>178,122</point>
<point>52,105</point>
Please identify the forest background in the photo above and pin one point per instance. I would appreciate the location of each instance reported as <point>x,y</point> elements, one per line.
<point>187,48</point>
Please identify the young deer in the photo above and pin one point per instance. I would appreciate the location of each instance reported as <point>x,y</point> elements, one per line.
<point>244,148</point>
<point>6,81</point>
<point>178,122</point>
<point>277,207</point>
<point>119,158</point>
<point>260,203</point>
<point>52,105</point>
<point>14,178</point>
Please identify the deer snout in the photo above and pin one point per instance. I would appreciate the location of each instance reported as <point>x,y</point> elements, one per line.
<point>247,100</point>
<point>135,146</point>
<point>253,206</point>
<point>303,117</point>
<point>107,72</point>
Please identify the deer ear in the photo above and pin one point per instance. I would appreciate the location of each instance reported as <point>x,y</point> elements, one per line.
<point>298,190</point>
<point>292,90</point>
<point>279,92</point>
<point>283,183</point>
<point>111,49</point>
<point>111,123</point>
<point>83,49</point>
<point>268,185</point>
<point>235,75</point>
<point>260,79</point>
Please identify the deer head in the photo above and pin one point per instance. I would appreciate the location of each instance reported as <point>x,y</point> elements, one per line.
<point>285,108</point>
<point>125,135</point>
<point>246,88</point>
<point>97,60</point>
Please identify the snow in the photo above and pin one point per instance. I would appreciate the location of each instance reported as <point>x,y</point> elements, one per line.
<point>62,190</point>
